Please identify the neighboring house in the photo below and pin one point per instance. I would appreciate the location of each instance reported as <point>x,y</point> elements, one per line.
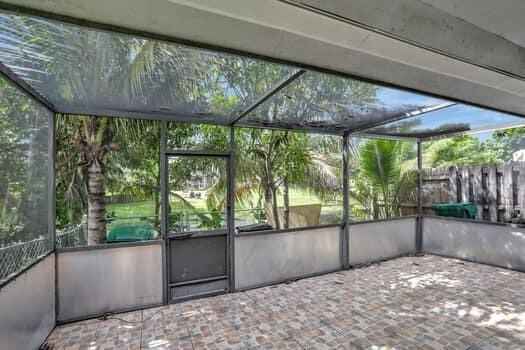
<point>200,182</point>
<point>519,156</point>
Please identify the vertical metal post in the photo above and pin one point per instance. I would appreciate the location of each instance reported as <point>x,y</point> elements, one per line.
<point>231,210</point>
<point>164,197</point>
<point>51,211</point>
<point>419,213</point>
<point>51,199</point>
<point>345,237</point>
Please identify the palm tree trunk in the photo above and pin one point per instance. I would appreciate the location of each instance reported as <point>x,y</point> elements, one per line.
<point>375,207</point>
<point>386,200</point>
<point>275,209</point>
<point>96,219</point>
<point>268,205</point>
<point>286,200</point>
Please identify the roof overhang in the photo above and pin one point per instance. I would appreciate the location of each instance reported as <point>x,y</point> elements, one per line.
<point>280,31</point>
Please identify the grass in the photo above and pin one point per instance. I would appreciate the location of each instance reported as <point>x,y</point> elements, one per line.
<point>132,209</point>
<point>137,209</point>
<point>297,197</point>
<point>244,214</point>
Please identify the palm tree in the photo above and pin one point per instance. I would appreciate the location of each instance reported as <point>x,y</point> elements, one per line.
<point>273,161</point>
<point>269,162</point>
<point>384,178</point>
<point>85,151</point>
<point>93,140</point>
<point>313,165</point>
<point>115,71</point>
<point>108,70</point>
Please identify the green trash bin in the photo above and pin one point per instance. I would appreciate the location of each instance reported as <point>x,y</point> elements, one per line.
<point>456,210</point>
<point>131,233</point>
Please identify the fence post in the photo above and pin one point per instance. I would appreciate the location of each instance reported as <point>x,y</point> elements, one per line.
<point>507,191</point>
<point>521,189</point>
<point>453,195</point>
<point>465,180</point>
<point>476,182</point>
<point>492,195</point>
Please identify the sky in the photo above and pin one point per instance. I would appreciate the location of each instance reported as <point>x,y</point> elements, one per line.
<point>477,118</point>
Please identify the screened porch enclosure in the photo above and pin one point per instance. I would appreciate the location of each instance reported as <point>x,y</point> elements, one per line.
<point>138,172</point>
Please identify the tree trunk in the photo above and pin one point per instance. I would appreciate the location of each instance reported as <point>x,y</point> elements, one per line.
<point>286,200</point>
<point>268,205</point>
<point>375,207</point>
<point>275,209</point>
<point>96,219</point>
<point>386,200</point>
<point>157,201</point>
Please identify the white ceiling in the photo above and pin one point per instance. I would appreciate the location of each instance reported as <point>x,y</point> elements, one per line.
<point>424,23</point>
<point>278,30</point>
<point>503,17</point>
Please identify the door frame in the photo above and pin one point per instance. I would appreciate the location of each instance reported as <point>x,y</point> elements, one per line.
<point>165,155</point>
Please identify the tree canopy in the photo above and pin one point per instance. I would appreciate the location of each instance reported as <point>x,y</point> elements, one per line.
<point>461,150</point>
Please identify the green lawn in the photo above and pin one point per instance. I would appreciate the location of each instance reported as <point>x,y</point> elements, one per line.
<point>134,209</point>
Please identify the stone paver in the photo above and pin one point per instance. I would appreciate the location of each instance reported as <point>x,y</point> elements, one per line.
<point>425,302</point>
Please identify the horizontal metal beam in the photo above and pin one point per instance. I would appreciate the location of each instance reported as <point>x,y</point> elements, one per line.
<point>122,245</point>
<point>384,137</point>
<point>278,87</point>
<point>287,230</point>
<point>149,115</point>
<point>195,153</point>
<point>19,82</point>
<point>307,130</point>
<point>197,281</point>
<point>372,221</point>
<point>420,136</point>
<point>184,235</point>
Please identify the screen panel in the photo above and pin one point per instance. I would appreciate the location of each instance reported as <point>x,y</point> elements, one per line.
<point>197,137</point>
<point>451,120</point>
<point>317,101</point>
<point>24,160</point>
<point>383,179</point>
<point>79,68</point>
<point>286,179</point>
<point>107,180</point>
<point>476,177</point>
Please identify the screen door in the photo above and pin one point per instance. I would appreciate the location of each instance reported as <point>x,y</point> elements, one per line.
<point>197,225</point>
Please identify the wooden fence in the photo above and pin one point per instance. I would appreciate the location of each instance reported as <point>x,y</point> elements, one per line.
<point>498,190</point>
